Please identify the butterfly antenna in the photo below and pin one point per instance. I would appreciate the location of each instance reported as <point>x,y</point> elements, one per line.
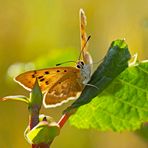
<point>65,62</point>
<point>84,46</point>
<point>79,55</point>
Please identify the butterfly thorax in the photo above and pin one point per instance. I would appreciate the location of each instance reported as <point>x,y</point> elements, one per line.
<point>85,72</point>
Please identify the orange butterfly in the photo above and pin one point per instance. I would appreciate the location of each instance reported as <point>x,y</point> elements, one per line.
<point>60,84</point>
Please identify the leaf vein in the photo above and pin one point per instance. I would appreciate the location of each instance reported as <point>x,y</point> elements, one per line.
<point>123,81</point>
<point>125,102</point>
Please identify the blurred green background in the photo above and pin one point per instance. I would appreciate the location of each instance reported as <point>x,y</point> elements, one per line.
<point>38,34</point>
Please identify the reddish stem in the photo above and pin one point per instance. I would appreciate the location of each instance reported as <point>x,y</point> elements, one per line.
<point>65,117</point>
<point>63,120</point>
<point>42,145</point>
<point>34,146</point>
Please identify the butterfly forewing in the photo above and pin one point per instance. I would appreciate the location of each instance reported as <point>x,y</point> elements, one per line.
<point>85,56</point>
<point>46,77</point>
<point>83,35</point>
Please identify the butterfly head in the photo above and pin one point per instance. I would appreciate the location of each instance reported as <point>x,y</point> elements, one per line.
<point>80,64</point>
<point>85,71</point>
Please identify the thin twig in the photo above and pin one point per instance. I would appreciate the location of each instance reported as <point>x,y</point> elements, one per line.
<point>63,120</point>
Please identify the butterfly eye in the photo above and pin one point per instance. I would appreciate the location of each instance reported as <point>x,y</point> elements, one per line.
<point>78,66</point>
<point>82,63</point>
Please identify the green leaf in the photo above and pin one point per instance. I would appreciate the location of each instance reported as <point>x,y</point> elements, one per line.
<point>122,106</point>
<point>43,133</point>
<point>115,61</point>
<point>16,98</point>
<point>36,96</point>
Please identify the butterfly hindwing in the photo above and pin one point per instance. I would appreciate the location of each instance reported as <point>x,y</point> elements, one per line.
<point>67,88</point>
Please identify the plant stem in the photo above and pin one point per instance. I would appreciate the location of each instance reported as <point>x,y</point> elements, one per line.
<point>33,121</point>
<point>63,120</point>
<point>65,117</point>
<point>34,116</point>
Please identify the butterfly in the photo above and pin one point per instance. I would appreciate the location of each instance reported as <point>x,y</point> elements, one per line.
<point>61,84</point>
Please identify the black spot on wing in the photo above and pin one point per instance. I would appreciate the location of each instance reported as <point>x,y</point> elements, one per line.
<point>46,72</point>
<point>47,82</point>
<point>42,79</point>
<point>33,75</point>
